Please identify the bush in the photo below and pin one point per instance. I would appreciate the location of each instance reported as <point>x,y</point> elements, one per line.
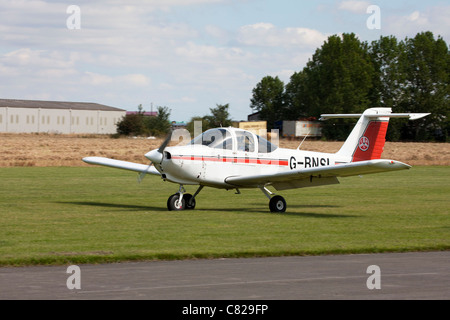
<point>140,125</point>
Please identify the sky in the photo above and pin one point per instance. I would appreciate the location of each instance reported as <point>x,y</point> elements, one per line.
<point>187,55</point>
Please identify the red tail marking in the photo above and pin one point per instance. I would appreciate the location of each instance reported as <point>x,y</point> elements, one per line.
<point>371,144</point>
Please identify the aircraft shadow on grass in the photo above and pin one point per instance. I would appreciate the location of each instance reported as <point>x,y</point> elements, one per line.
<point>132,207</point>
<point>319,215</point>
<point>299,213</point>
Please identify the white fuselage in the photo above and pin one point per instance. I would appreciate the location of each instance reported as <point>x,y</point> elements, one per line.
<point>198,164</point>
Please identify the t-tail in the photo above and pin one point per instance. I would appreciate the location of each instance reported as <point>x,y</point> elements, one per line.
<point>366,141</point>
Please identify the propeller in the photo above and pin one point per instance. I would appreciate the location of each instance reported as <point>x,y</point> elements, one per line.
<point>155,156</point>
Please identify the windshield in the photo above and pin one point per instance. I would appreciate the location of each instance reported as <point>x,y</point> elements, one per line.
<point>265,146</point>
<point>245,141</point>
<point>214,138</point>
<point>222,139</point>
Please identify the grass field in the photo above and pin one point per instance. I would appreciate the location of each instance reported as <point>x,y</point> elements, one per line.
<point>58,215</point>
<point>53,150</point>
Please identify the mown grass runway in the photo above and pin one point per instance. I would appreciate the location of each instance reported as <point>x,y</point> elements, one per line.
<point>59,215</point>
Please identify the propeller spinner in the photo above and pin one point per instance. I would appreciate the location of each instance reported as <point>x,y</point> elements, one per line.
<point>156,155</point>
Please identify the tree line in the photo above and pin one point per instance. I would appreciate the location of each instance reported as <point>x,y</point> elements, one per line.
<point>347,75</point>
<point>137,124</point>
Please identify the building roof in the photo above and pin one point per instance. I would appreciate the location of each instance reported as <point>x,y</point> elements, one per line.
<point>12,103</point>
<point>146,113</point>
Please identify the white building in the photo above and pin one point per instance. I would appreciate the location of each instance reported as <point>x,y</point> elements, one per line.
<point>302,128</point>
<point>30,116</point>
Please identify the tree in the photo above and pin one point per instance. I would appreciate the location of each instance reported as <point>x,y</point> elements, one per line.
<point>346,75</point>
<point>427,88</point>
<point>220,117</point>
<point>131,124</point>
<point>268,100</point>
<point>159,125</point>
<point>388,79</point>
<point>296,103</point>
<point>191,125</point>
<point>338,79</point>
<point>139,125</point>
<point>388,76</point>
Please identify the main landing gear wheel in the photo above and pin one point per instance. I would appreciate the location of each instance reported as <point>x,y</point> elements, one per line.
<point>173,202</point>
<point>277,204</point>
<point>189,200</point>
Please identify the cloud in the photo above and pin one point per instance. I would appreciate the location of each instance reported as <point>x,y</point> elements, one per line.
<point>27,66</point>
<point>33,74</point>
<point>267,34</point>
<point>135,79</point>
<point>129,52</point>
<point>434,19</point>
<point>184,100</point>
<point>96,79</point>
<point>209,53</point>
<point>354,6</point>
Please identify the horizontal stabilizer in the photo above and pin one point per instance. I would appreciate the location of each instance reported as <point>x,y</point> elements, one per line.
<point>411,116</point>
<point>137,167</point>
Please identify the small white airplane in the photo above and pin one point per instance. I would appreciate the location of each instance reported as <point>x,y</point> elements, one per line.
<point>231,158</point>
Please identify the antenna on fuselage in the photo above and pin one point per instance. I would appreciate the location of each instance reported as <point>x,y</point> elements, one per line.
<point>306,136</point>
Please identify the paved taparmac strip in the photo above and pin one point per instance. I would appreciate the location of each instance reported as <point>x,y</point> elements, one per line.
<point>418,275</point>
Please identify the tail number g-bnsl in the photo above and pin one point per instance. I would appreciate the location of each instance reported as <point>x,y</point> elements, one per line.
<point>316,162</point>
<point>309,162</point>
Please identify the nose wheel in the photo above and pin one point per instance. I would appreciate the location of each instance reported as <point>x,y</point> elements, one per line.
<point>182,200</point>
<point>176,202</point>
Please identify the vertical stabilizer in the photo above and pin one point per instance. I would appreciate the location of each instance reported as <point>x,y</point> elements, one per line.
<point>367,139</point>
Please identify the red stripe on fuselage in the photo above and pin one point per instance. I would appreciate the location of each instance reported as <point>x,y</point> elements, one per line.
<point>278,162</point>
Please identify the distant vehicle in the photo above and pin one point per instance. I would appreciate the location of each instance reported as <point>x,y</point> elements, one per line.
<point>231,158</point>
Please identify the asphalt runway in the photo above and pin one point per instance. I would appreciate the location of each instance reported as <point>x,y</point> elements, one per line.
<point>422,275</point>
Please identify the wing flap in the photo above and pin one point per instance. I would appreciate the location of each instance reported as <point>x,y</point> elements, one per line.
<point>305,183</point>
<point>287,180</point>
<point>137,167</point>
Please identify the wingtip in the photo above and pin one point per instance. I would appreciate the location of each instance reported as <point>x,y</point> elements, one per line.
<point>91,160</point>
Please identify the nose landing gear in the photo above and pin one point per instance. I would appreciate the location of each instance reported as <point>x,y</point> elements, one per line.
<point>182,200</point>
<point>176,202</point>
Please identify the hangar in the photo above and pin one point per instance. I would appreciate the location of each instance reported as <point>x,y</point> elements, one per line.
<point>35,116</point>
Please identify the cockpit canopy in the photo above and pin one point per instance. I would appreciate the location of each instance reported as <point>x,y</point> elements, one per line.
<point>238,140</point>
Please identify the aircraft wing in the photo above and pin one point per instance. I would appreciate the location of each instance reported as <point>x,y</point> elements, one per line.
<point>316,176</point>
<point>142,168</point>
